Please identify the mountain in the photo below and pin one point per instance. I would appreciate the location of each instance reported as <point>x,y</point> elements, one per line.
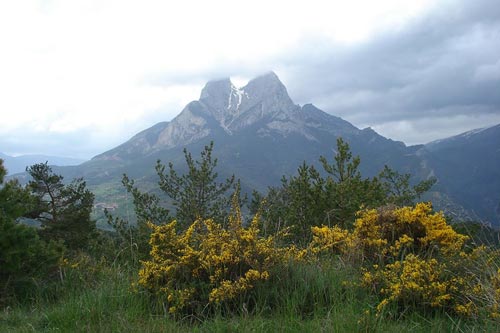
<point>468,169</point>
<point>16,164</point>
<point>261,135</point>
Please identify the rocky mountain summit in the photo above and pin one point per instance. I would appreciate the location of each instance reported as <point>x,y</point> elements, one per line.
<point>223,109</point>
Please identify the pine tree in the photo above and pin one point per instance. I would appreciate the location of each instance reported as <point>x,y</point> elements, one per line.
<point>346,190</point>
<point>24,257</point>
<point>398,189</point>
<point>64,210</point>
<point>197,193</point>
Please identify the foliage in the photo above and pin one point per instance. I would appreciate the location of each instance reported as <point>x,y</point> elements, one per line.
<point>301,298</point>
<point>196,194</point>
<point>15,201</point>
<point>63,210</point>
<point>404,262</point>
<point>209,264</point>
<point>296,206</point>
<point>147,206</point>
<point>412,258</point>
<point>463,284</point>
<point>388,234</point>
<point>409,258</point>
<point>148,209</point>
<point>310,199</point>
<point>398,189</point>
<point>3,172</point>
<point>24,258</point>
<point>346,190</point>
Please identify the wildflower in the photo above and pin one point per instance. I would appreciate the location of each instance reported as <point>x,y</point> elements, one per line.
<point>208,263</point>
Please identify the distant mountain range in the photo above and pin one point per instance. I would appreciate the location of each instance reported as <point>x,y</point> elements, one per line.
<point>468,170</point>
<point>16,164</point>
<point>261,135</point>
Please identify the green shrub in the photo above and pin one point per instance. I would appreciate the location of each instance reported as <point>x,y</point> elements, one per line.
<point>24,259</point>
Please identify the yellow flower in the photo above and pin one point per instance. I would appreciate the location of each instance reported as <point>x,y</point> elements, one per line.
<point>209,263</point>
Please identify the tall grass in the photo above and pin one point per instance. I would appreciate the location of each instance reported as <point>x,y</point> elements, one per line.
<point>92,295</point>
<point>104,305</point>
<point>301,298</point>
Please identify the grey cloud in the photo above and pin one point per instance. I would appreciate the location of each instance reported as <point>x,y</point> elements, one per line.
<point>436,76</point>
<point>200,77</point>
<point>442,65</point>
<point>488,72</point>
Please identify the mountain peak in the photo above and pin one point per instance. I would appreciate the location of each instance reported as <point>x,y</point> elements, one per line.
<point>215,88</point>
<point>266,84</point>
<point>268,77</point>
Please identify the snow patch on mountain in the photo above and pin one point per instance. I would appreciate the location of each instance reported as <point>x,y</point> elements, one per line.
<point>238,93</point>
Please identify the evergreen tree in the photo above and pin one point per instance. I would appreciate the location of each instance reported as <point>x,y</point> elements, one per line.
<point>308,199</point>
<point>15,200</point>
<point>345,167</point>
<point>3,172</point>
<point>398,190</point>
<point>63,210</point>
<point>24,258</point>
<point>147,206</point>
<point>297,205</point>
<point>196,194</point>
<point>148,209</point>
<point>345,189</point>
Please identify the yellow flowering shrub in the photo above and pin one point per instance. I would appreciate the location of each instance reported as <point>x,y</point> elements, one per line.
<point>331,240</point>
<point>414,282</point>
<point>410,256</point>
<point>480,270</point>
<point>389,234</point>
<point>466,284</point>
<point>208,263</point>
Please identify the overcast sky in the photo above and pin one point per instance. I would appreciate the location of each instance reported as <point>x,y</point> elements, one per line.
<point>80,77</point>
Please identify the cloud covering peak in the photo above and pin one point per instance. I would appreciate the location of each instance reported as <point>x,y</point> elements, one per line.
<point>414,71</point>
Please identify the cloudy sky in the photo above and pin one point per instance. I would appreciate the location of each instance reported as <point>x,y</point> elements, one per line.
<point>80,77</point>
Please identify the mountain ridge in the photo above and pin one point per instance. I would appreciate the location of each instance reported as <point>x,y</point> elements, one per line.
<point>16,164</point>
<point>226,109</point>
<point>260,134</point>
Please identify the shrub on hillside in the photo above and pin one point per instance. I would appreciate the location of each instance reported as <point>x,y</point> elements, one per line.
<point>24,259</point>
<point>208,264</point>
<point>411,257</point>
<point>389,233</point>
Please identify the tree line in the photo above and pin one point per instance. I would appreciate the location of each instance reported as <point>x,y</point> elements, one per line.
<point>309,198</point>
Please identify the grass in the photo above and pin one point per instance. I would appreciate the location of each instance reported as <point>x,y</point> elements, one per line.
<point>106,305</point>
<point>308,298</point>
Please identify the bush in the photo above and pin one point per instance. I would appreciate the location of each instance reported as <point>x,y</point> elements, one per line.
<point>208,265</point>
<point>411,257</point>
<point>24,259</point>
<point>387,234</point>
